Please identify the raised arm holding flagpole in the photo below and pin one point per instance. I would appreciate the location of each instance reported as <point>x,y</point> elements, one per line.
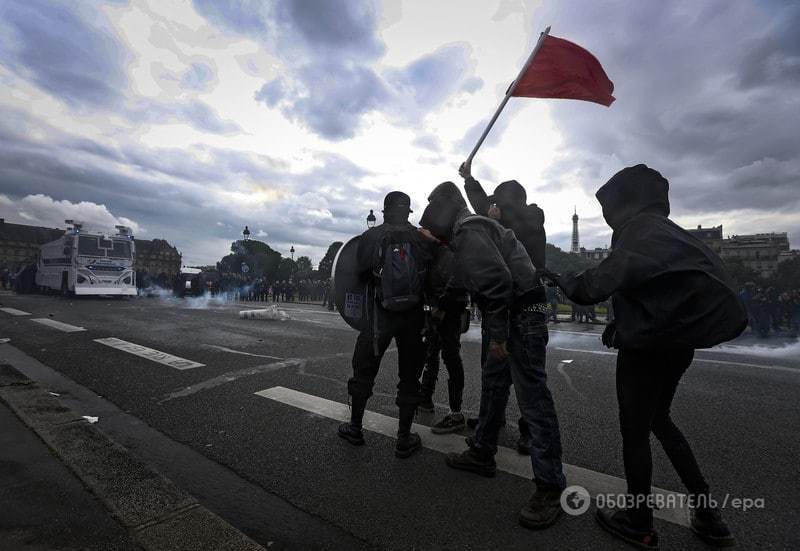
<point>556,68</point>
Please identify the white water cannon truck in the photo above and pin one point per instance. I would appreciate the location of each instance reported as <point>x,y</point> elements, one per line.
<point>88,263</point>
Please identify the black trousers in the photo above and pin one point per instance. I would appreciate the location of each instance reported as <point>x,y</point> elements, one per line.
<point>406,329</point>
<point>444,338</point>
<point>646,385</point>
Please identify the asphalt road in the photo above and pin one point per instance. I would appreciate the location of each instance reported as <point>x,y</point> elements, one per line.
<point>292,483</point>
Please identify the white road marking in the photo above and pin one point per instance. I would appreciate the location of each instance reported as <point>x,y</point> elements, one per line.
<point>232,351</point>
<point>229,377</point>
<point>61,326</point>
<point>508,460</point>
<point>149,353</point>
<point>15,312</point>
<point>696,359</point>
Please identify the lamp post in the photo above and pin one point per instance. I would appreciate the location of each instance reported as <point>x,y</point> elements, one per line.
<point>291,251</point>
<point>371,219</point>
<point>246,233</point>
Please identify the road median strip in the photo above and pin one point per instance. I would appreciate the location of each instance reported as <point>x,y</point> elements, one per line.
<point>158,514</point>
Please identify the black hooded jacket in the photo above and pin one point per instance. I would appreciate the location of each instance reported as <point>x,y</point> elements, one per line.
<point>496,269</point>
<point>526,221</point>
<point>669,290</point>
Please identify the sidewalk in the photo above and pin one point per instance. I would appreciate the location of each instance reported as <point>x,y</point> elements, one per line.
<point>64,484</point>
<point>44,505</point>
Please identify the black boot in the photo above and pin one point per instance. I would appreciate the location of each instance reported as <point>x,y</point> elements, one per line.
<point>474,460</point>
<point>618,522</point>
<point>352,434</point>
<point>709,526</point>
<point>407,444</point>
<point>427,405</point>
<point>543,509</point>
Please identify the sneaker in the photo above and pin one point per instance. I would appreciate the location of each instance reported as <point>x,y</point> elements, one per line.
<point>473,461</point>
<point>618,523</point>
<point>709,526</point>
<point>452,422</point>
<point>407,444</point>
<point>542,510</point>
<point>351,434</point>
<point>524,445</point>
<point>427,406</point>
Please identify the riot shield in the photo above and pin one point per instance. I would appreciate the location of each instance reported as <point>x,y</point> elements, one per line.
<point>351,289</point>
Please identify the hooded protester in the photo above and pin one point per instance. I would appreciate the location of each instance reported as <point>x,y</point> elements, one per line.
<point>670,295</point>
<point>447,299</point>
<point>498,274</point>
<point>509,206</point>
<point>393,257</point>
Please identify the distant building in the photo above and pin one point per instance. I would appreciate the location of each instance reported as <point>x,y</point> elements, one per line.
<point>760,251</point>
<point>156,257</point>
<point>19,245</point>
<point>710,236</point>
<point>597,254</point>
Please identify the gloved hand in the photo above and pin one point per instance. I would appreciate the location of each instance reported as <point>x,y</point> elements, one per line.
<point>610,335</point>
<point>465,171</point>
<point>551,278</point>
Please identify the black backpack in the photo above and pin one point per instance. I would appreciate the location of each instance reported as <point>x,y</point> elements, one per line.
<point>400,275</point>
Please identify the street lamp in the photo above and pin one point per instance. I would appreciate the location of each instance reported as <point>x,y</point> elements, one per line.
<point>292,252</point>
<point>246,233</point>
<point>371,219</point>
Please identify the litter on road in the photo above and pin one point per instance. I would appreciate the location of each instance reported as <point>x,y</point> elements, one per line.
<point>271,313</point>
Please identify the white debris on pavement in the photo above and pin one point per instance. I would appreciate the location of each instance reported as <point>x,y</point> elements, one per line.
<point>271,313</point>
<point>91,420</point>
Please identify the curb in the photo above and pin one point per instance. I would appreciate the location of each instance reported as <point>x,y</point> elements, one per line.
<point>158,514</point>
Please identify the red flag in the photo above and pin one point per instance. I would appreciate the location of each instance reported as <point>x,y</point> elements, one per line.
<point>562,69</point>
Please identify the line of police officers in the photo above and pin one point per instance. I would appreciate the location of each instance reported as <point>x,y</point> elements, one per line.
<point>669,299</point>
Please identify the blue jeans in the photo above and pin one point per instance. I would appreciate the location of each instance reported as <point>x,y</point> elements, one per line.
<point>525,368</point>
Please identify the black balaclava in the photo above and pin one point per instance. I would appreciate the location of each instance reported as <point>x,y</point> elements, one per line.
<point>445,204</point>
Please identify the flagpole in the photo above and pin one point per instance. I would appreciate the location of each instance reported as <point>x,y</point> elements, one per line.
<point>542,36</point>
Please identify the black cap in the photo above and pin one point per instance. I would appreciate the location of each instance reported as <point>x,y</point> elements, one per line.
<point>397,200</point>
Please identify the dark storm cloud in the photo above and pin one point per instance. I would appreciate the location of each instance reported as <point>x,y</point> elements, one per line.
<point>334,97</point>
<point>272,92</point>
<point>195,113</point>
<point>55,46</point>
<point>180,194</point>
<point>706,93</point>
<point>198,77</point>
<point>329,50</point>
<point>69,50</point>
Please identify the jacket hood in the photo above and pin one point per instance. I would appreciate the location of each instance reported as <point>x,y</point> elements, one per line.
<point>447,191</point>
<point>509,194</point>
<point>631,191</point>
<point>445,205</point>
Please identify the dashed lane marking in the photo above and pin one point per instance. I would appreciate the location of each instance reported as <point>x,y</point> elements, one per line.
<point>15,312</point>
<point>60,325</point>
<point>508,460</point>
<point>149,353</point>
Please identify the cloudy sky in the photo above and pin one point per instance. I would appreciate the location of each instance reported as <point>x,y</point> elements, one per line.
<point>188,120</point>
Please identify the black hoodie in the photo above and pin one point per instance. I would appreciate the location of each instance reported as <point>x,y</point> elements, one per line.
<point>668,288</point>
